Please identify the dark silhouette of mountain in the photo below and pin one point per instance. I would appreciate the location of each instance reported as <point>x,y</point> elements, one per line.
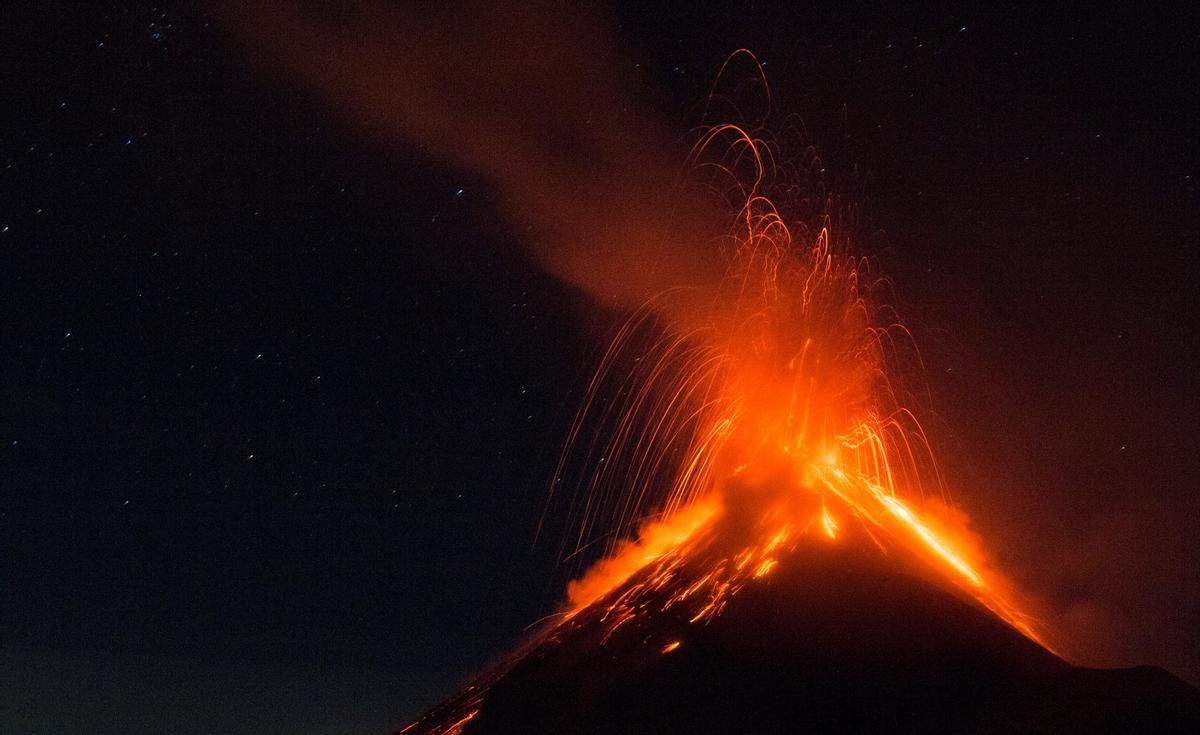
<point>839,638</point>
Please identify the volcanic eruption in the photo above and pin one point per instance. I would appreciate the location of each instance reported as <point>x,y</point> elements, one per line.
<point>767,540</point>
<point>778,549</point>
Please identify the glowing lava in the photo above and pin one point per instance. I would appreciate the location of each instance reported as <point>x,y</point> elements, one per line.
<point>730,432</point>
<point>771,414</point>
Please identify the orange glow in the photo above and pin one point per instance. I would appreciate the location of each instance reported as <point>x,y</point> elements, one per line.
<point>730,430</point>
<point>654,540</point>
<point>828,522</point>
<point>765,568</point>
<point>454,727</point>
<point>773,414</point>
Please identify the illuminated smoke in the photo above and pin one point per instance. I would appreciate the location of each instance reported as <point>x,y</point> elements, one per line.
<point>529,95</point>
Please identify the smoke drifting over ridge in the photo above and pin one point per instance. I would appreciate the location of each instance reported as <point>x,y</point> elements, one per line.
<point>532,98</point>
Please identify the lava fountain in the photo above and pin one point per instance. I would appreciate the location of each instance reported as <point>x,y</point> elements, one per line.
<point>727,428</point>
<point>771,413</point>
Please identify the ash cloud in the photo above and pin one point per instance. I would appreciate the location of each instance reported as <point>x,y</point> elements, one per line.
<point>531,96</point>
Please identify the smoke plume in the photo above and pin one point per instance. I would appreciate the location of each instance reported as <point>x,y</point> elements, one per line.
<point>532,97</point>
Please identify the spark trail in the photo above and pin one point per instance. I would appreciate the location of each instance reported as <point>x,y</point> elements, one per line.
<point>728,429</point>
<point>770,415</point>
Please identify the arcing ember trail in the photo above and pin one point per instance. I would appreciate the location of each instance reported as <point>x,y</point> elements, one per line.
<point>772,415</point>
<point>741,429</point>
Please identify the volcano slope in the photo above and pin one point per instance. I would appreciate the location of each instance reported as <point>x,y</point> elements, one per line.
<point>840,637</point>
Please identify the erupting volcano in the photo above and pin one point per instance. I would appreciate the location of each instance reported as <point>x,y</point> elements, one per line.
<point>768,415</point>
<point>774,547</point>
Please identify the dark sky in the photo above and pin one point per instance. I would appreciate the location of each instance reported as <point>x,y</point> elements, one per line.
<point>281,399</point>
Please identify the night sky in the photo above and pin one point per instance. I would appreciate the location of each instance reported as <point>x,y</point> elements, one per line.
<point>282,397</point>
